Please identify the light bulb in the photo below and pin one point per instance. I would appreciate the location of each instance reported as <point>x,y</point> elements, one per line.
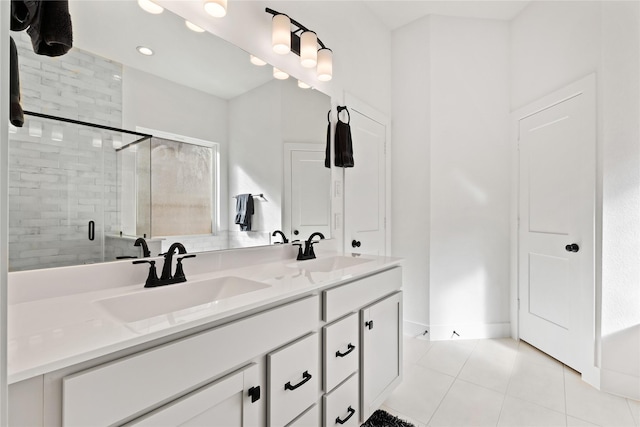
<point>281,34</point>
<point>256,61</point>
<point>279,74</point>
<point>325,65</point>
<point>308,49</point>
<point>151,7</point>
<point>216,8</point>
<point>193,27</point>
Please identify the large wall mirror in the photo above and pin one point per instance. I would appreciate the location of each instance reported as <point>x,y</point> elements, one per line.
<point>221,127</point>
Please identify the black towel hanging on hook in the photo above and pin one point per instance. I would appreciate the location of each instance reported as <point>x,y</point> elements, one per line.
<point>327,151</point>
<point>343,142</point>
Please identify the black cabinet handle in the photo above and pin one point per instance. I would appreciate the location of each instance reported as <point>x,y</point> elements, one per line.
<point>351,412</point>
<point>254,394</point>
<point>572,247</point>
<point>92,230</point>
<point>350,348</point>
<point>355,243</point>
<point>369,324</point>
<point>306,377</point>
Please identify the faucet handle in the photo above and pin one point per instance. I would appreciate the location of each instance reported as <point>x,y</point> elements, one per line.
<point>179,270</point>
<point>152,278</point>
<point>299,245</point>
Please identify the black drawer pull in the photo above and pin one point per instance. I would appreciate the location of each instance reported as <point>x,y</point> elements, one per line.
<point>350,348</point>
<point>254,393</point>
<point>369,324</point>
<point>306,377</point>
<point>351,412</point>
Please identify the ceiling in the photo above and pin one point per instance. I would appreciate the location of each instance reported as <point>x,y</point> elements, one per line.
<point>397,13</point>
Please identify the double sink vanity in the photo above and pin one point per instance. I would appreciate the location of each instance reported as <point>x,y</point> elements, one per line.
<point>263,340</point>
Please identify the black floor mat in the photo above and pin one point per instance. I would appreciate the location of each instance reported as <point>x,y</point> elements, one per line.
<point>382,418</point>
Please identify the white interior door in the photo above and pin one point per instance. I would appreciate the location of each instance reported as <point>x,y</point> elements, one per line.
<point>365,190</point>
<point>557,210</point>
<point>307,183</point>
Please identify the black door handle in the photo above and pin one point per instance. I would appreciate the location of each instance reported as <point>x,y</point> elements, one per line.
<point>296,232</point>
<point>351,411</point>
<point>355,243</point>
<point>369,324</point>
<point>254,394</point>
<point>350,348</point>
<point>572,247</point>
<point>92,230</point>
<point>306,377</point>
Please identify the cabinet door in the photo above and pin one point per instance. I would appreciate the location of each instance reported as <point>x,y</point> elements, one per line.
<point>229,402</point>
<point>381,356</point>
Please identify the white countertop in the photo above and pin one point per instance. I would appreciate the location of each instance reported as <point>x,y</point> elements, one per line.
<point>48,334</point>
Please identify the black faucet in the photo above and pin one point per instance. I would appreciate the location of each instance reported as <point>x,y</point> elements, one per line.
<point>308,247</point>
<point>145,249</point>
<point>284,238</point>
<point>167,278</point>
<point>168,261</point>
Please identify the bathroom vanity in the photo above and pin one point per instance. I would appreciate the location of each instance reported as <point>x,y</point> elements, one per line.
<point>312,343</point>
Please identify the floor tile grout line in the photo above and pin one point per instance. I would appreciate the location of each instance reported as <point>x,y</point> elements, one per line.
<point>444,396</point>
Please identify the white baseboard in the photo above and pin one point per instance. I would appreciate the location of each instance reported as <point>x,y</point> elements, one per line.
<point>465,331</point>
<point>624,385</point>
<point>414,329</point>
<point>471,331</point>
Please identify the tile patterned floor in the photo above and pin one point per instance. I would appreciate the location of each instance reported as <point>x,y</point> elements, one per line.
<point>501,383</point>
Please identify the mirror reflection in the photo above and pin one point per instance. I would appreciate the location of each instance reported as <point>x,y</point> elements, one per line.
<point>222,128</point>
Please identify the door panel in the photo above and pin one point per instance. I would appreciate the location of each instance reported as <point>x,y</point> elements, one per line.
<point>556,209</point>
<point>365,191</point>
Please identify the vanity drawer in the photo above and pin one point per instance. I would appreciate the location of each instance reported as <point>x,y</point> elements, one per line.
<point>292,379</point>
<point>311,418</point>
<point>341,350</point>
<point>343,299</point>
<point>341,406</point>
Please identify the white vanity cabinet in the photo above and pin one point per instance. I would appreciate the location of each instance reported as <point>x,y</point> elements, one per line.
<point>324,358</point>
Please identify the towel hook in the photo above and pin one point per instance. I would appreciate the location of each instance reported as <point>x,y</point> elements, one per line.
<point>344,108</point>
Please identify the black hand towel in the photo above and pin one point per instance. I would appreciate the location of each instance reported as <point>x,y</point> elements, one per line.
<point>48,22</point>
<point>16,115</point>
<point>343,143</point>
<point>244,211</point>
<point>50,30</point>
<point>327,151</point>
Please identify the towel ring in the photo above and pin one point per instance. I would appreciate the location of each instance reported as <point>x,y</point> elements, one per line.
<point>340,109</point>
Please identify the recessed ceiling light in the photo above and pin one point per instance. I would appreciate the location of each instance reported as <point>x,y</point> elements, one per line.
<point>256,61</point>
<point>193,27</point>
<point>216,8</point>
<point>144,50</point>
<point>150,6</point>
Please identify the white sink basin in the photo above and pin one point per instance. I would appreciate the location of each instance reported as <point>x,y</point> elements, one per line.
<point>171,298</point>
<point>329,264</point>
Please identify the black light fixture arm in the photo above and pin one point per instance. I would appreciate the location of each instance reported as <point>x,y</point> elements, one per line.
<point>295,39</point>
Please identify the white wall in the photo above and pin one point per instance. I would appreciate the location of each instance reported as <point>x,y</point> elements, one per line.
<point>580,38</point>
<point>450,119</point>
<point>410,168</point>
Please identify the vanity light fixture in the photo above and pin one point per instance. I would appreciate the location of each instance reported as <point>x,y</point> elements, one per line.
<point>35,129</point>
<point>216,8</point>
<point>144,50</point>
<point>193,27</point>
<point>279,74</point>
<point>303,85</point>
<point>96,141</point>
<point>150,6</point>
<point>257,61</point>
<point>301,41</point>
